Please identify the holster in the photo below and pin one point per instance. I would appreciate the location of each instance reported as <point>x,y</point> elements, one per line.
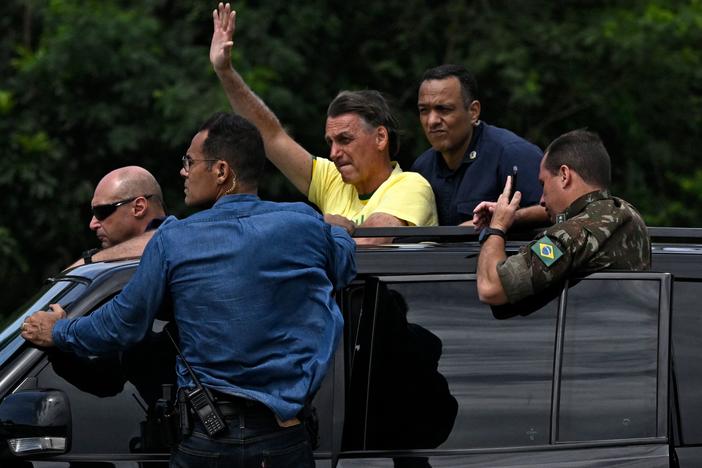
<point>159,431</point>
<point>186,422</point>
<point>309,419</point>
<point>166,415</point>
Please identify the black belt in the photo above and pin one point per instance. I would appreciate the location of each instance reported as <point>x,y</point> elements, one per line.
<point>232,405</point>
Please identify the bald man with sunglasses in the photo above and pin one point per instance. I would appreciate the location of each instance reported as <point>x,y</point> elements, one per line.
<point>126,204</point>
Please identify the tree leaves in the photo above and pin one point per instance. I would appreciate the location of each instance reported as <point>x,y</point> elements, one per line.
<point>87,86</point>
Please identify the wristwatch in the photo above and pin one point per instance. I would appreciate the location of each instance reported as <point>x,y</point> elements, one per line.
<point>88,255</point>
<point>488,231</point>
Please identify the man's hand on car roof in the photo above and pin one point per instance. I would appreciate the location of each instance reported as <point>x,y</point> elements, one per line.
<point>37,327</point>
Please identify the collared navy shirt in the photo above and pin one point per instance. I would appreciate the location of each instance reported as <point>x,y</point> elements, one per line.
<point>492,153</point>
<point>154,224</point>
<point>252,287</point>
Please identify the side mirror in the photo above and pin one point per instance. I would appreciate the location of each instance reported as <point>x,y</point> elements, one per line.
<point>35,422</point>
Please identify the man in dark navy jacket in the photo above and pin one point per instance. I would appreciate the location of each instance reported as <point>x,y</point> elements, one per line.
<point>469,160</point>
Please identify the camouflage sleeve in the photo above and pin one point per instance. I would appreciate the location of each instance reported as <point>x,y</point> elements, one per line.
<point>515,276</point>
<point>606,235</point>
<point>543,262</point>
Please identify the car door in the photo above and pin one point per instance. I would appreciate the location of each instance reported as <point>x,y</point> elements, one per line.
<point>578,377</point>
<point>112,397</point>
<point>109,396</point>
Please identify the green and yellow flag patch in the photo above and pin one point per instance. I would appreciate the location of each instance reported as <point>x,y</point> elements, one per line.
<point>547,251</point>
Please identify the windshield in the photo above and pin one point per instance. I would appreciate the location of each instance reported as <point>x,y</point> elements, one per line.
<point>62,292</point>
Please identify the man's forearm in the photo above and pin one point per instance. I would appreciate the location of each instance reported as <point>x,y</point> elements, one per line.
<point>531,215</point>
<point>131,248</point>
<point>245,103</point>
<point>378,219</point>
<point>292,160</point>
<point>344,257</point>
<point>490,288</point>
<point>123,321</point>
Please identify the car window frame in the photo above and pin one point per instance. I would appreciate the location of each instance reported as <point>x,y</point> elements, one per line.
<point>361,366</point>
<point>663,353</point>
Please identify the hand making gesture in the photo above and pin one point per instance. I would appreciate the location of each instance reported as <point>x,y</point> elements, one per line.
<point>224,25</point>
<point>504,209</point>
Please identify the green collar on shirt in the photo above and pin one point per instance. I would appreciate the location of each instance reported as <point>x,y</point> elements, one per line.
<point>579,205</point>
<point>365,196</point>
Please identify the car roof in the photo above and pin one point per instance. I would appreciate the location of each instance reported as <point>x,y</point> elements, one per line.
<point>442,249</point>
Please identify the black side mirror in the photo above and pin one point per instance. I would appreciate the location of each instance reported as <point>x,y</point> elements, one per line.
<point>35,422</point>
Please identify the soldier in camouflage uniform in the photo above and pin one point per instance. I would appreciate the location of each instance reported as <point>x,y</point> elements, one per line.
<point>593,231</point>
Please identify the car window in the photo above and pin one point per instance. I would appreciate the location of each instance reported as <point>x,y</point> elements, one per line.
<point>687,364</point>
<point>609,383</point>
<point>447,373</point>
<point>118,391</point>
<point>61,292</point>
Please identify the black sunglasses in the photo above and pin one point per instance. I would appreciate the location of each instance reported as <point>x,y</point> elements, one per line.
<point>103,211</point>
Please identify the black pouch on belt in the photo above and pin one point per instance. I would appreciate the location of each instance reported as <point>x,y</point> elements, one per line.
<point>309,418</point>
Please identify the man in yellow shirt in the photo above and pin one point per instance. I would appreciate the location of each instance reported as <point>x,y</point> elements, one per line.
<point>358,185</point>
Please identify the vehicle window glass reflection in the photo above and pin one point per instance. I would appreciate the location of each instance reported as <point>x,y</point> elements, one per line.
<point>446,373</point>
<point>687,365</point>
<point>609,370</point>
<point>10,323</point>
<point>119,391</point>
<point>61,292</point>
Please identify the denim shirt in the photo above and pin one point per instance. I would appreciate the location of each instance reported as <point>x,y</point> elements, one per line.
<point>252,287</point>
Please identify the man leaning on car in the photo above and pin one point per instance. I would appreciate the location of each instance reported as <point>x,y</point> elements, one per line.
<point>251,283</point>
<point>126,204</point>
<point>593,231</point>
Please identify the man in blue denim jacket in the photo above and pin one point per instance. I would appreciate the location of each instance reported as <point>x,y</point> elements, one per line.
<point>252,286</point>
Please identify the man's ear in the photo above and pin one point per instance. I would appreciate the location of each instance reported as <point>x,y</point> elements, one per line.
<point>221,169</point>
<point>140,206</point>
<point>474,112</point>
<point>565,176</point>
<point>382,138</point>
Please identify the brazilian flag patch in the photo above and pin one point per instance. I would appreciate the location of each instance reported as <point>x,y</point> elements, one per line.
<point>546,250</point>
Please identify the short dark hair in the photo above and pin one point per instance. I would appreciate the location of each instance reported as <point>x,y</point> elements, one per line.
<point>583,152</point>
<point>469,85</point>
<point>234,139</point>
<point>373,109</point>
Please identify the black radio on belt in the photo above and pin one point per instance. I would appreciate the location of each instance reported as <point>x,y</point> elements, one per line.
<point>201,400</point>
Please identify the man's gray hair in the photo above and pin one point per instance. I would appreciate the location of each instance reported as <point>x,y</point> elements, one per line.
<point>373,109</point>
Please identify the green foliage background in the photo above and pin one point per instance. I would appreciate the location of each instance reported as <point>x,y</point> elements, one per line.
<point>88,86</point>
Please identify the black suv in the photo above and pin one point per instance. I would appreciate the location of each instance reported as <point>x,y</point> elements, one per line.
<point>601,372</point>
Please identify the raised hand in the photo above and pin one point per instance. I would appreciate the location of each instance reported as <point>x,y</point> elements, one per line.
<point>504,214</point>
<point>224,22</point>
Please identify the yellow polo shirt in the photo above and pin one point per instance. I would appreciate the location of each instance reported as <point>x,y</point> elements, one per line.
<point>404,195</point>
